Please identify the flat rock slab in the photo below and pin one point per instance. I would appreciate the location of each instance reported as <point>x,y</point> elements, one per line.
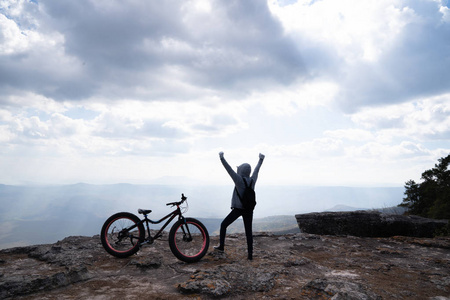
<point>368,224</point>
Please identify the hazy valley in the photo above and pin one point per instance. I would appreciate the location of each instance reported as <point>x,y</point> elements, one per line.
<point>45,214</point>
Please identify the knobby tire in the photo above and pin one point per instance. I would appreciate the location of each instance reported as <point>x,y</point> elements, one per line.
<point>184,248</point>
<point>115,237</point>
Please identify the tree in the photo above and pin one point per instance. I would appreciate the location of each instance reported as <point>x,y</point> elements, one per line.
<point>431,198</point>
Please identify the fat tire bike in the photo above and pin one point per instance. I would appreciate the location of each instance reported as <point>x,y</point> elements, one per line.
<point>123,234</point>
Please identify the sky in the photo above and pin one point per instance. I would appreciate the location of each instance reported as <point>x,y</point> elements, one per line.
<point>348,92</point>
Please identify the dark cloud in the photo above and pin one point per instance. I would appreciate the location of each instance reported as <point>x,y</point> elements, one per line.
<point>113,49</point>
<point>112,34</point>
<point>37,73</point>
<point>255,48</point>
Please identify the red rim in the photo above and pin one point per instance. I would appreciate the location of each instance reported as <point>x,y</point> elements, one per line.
<point>203,235</point>
<point>107,239</point>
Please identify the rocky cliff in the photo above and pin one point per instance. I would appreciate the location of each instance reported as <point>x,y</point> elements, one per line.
<point>295,266</point>
<point>368,224</point>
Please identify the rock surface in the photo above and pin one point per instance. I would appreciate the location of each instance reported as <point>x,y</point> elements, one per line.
<point>296,266</point>
<point>367,224</point>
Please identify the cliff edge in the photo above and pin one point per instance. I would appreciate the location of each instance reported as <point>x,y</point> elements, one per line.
<point>365,223</point>
<point>293,266</point>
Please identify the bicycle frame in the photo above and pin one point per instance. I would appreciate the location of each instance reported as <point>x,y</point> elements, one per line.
<point>170,217</point>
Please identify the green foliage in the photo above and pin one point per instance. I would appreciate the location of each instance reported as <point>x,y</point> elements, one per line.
<point>431,198</point>
<point>444,231</point>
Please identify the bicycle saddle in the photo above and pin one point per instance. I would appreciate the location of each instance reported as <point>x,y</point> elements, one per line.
<point>144,211</point>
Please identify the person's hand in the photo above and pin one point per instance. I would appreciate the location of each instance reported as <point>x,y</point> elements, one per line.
<point>221,154</point>
<point>261,156</point>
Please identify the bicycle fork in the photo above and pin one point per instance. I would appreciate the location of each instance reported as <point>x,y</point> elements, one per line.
<point>187,237</point>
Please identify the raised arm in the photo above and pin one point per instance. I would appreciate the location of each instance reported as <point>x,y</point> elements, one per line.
<point>227,167</point>
<point>258,166</point>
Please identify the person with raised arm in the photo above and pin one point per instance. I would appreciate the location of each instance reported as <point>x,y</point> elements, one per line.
<point>241,179</point>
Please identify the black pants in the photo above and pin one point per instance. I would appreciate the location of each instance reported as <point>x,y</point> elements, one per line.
<point>247,216</point>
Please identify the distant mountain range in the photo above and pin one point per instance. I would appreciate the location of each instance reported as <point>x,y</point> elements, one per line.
<point>45,214</point>
<point>274,224</point>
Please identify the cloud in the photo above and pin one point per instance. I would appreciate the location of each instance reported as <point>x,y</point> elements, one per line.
<point>378,52</point>
<point>285,101</point>
<point>172,52</point>
<point>426,119</point>
<point>350,134</point>
<point>34,124</point>
<point>387,152</point>
<point>72,51</point>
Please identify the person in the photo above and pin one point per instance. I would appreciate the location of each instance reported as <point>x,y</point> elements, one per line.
<point>237,209</point>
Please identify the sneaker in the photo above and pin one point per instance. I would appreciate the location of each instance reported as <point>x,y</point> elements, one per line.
<point>218,248</point>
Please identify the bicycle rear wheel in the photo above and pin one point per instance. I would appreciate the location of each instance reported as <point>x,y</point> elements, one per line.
<point>121,234</point>
<point>189,240</point>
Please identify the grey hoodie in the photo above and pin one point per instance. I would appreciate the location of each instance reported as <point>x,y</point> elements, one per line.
<point>243,171</point>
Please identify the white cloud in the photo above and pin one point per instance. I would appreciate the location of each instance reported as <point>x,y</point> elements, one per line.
<point>12,39</point>
<point>19,102</point>
<point>377,51</point>
<point>427,119</point>
<point>350,134</point>
<point>299,96</point>
<point>357,30</point>
<point>182,120</point>
<point>445,12</point>
<point>5,134</point>
<point>380,152</point>
<point>125,128</point>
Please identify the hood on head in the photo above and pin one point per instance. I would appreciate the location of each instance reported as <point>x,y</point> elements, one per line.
<point>244,170</point>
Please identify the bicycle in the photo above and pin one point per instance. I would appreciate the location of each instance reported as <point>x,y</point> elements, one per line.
<point>123,234</point>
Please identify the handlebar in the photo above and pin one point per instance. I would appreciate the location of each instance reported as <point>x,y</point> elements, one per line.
<point>183,198</point>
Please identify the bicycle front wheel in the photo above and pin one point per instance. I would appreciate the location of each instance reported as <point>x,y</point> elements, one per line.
<point>121,234</point>
<point>189,240</point>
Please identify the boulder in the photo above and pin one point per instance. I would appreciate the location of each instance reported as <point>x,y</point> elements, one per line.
<point>368,224</point>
